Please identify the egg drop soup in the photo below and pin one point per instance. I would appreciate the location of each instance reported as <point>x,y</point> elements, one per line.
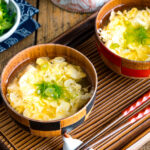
<point>127,34</point>
<point>49,89</point>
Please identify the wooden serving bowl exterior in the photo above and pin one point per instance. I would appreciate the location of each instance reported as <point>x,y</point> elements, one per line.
<point>56,127</point>
<point>120,65</point>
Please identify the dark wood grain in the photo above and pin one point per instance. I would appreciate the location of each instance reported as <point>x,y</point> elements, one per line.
<point>54,21</point>
<point>71,36</point>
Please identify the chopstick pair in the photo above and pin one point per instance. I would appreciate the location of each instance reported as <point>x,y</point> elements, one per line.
<point>139,105</point>
<point>139,141</point>
<point>120,130</point>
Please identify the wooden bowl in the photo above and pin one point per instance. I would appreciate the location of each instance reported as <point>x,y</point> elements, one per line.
<point>122,66</point>
<point>56,127</point>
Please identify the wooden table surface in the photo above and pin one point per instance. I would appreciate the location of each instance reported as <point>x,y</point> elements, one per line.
<point>53,21</point>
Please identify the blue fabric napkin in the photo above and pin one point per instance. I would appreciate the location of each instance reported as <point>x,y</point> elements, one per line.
<point>27,25</point>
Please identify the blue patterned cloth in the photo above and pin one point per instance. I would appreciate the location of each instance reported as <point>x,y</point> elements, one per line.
<point>27,25</point>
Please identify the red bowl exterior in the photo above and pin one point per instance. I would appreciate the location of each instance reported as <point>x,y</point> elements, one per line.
<point>120,65</point>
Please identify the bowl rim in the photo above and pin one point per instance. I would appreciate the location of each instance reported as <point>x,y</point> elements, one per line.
<point>97,35</point>
<point>16,24</point>
<point>57,120</point>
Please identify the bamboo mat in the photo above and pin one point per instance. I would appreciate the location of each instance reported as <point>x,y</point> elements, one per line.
<point>113,95</point>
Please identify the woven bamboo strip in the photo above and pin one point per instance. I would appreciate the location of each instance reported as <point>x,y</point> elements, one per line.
<point>30,141</point>
<point>113,95</point>
<point>5,142</point>
<point>34,143</point>
<point>100,120</point>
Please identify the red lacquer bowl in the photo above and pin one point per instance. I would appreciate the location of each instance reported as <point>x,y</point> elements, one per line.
<point>120,65</point>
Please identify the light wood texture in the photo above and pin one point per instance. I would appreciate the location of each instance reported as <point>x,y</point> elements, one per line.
<point>55,21</point>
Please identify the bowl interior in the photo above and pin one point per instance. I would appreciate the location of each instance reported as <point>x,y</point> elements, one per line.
<point>13,8</point>
<point>104,13</point>
<point>19,61</point>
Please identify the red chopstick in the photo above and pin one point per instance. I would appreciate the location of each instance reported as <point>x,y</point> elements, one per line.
<point>126,113</point>
<point>132,120</point>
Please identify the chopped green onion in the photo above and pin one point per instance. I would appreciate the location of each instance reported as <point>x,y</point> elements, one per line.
<point>135,34</point>
<point>46,89</point>
<point>114,45</point>
<point>7,18</point>
<point>146,41</point>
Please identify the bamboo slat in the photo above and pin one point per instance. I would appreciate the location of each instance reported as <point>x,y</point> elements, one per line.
<point>113,95</point>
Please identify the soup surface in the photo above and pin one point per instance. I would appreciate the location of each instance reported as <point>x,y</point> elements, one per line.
<point>128,34</point>
<point>49,89</point>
